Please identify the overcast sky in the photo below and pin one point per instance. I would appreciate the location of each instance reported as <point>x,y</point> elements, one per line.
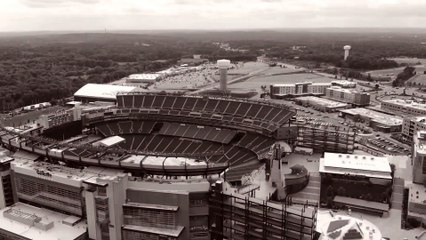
<point>40,15</point>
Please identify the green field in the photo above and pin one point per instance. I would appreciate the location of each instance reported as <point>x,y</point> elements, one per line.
<point>391,72</point>
<point>257,82</point>
<point>418,80</point>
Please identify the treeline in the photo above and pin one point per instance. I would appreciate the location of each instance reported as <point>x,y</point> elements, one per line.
<point>35,70</point>
<point>369,51</point>
<point>402,77</point>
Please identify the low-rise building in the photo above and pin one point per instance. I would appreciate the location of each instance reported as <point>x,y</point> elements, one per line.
<point>376,120</point>
<point>144,78</point>
<point>350,96</point>
<point>23,221</point>
<point>357,181</point>
<point>298,89</point>
<point>404,107</point>
<point>321,104</point>
<point>92,92</point>
<point>344,84</point>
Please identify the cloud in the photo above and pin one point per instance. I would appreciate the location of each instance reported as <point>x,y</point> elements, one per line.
<point>207,14</point>
<point>55,3</point>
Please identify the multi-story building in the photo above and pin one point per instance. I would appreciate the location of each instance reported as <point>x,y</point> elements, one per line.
<point>298,89</point>
<point>416,191</point>
<point>404,107</point>
<point>411,125</point>
<point>322,139</point>
<point>350,96</point>
<point>419,158</point>
<point>115,204</point>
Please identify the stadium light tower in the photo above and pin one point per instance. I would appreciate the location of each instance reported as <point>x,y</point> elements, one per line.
<point>223,66</point>
<point>347,48</point>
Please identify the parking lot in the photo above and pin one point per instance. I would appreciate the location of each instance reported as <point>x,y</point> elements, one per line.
<point>388,146</point>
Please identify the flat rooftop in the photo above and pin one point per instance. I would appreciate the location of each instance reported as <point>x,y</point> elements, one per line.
<point>301,83</point>
<point>385,119</point>
<point>39,223</point>
<point>62,174</point>
<point>337,163</point>
<point>102,91</point>
<point>346,90</point>
<point>344,82</point>
<point>149,76</point>
<point>323,102</point>
<point>407,103</point>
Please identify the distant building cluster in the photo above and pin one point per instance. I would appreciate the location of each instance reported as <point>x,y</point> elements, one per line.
<point>342,91</point>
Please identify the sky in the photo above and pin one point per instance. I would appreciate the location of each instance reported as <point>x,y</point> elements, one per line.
<point>86,15</point>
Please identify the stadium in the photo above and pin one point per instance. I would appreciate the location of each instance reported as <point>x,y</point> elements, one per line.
<point>164,151</point>
<point>166,134</point>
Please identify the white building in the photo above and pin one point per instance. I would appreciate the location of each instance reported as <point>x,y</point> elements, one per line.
<point>144,78</point>
<point>404,107</point>
<point>357,165</point>
<point>344,84</point>
<point>101,92</point>
<point>298,89</point>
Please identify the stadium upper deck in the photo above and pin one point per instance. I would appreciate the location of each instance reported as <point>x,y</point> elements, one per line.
<point>259,116</point>
<point>213,133</point>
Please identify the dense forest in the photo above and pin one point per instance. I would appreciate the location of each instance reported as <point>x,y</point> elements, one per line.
<point>369,51</point>
<point>47,67</point>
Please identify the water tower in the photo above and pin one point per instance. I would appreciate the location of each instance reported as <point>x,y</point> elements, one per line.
<point>223,66</point>
<point>347,48</point>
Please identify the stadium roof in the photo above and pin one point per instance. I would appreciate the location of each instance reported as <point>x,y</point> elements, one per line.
<point>102,91</point>
<point>109,142</point>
